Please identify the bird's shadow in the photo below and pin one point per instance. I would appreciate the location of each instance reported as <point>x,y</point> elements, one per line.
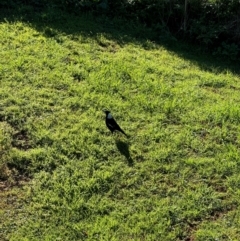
<point>123,148</point>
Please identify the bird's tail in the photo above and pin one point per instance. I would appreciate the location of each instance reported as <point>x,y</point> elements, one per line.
<point>123,132</point>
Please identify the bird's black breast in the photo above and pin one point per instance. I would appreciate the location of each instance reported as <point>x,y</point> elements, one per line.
<point>111,124</point>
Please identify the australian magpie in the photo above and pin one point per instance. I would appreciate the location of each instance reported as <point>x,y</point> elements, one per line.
<point>112,124</point>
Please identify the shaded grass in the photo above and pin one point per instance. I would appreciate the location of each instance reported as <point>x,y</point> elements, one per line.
<point>123,147</point>
<point>51,22</point>
<point>175,178</point>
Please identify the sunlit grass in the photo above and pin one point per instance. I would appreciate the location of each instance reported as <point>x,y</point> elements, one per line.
<point>174,178</point>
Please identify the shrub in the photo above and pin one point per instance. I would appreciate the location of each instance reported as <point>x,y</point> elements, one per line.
<point>228,50</point>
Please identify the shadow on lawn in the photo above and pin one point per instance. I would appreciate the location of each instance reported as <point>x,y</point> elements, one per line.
<point>52,21</point>
<point>123,148</point>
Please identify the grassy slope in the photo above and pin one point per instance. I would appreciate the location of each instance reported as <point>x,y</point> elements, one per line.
<point>175,178</point>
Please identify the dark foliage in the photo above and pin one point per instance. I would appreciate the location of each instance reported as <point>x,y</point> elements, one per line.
<point>212,24</point>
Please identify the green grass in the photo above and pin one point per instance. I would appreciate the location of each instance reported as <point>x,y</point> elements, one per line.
<point>175,178</point>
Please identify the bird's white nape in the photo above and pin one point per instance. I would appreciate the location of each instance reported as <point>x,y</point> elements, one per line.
<point>109,116</point>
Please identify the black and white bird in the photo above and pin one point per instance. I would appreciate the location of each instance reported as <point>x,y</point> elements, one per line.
<point>112,124</point>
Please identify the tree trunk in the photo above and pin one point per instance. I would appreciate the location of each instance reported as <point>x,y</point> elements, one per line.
<point>185,17</point>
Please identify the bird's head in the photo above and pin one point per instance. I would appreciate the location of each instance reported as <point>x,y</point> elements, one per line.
<point>108,114</point>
